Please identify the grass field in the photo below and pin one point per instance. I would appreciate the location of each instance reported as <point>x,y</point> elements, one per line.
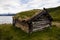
<point>8,32</point>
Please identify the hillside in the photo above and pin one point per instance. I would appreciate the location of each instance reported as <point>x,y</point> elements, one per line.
<point>55,13</point>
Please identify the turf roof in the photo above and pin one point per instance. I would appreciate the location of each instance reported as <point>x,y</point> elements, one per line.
<point>27,14</point>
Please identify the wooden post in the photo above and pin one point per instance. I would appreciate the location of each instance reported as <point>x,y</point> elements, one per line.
<point>30,27</point>
<point>14,21</point>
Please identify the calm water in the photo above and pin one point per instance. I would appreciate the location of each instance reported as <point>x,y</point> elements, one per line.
<point>5,19</point>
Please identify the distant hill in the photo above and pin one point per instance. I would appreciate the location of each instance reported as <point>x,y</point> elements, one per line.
<point>55,13</point>
<point>7,14</point>
<point>54,9</point>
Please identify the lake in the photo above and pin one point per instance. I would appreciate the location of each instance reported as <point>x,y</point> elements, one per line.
<point>6,19</point>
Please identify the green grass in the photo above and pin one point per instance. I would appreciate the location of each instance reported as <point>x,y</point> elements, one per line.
<point>8,32</point>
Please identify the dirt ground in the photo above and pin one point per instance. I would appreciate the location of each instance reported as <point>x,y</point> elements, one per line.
<point>56,23</point>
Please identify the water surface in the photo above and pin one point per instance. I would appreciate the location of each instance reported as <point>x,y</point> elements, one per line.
<point>5,19</point>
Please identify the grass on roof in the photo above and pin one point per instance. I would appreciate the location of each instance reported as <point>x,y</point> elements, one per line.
<point>27,14</point>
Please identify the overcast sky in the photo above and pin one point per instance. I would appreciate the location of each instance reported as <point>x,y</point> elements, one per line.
<point>14,6</point>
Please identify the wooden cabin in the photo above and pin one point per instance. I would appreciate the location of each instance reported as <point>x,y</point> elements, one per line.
<point>38,21</point>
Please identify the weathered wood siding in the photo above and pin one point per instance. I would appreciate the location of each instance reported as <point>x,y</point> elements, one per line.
<point>38,25</point>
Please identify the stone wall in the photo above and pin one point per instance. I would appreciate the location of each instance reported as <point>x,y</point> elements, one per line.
<point>22,26</point>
